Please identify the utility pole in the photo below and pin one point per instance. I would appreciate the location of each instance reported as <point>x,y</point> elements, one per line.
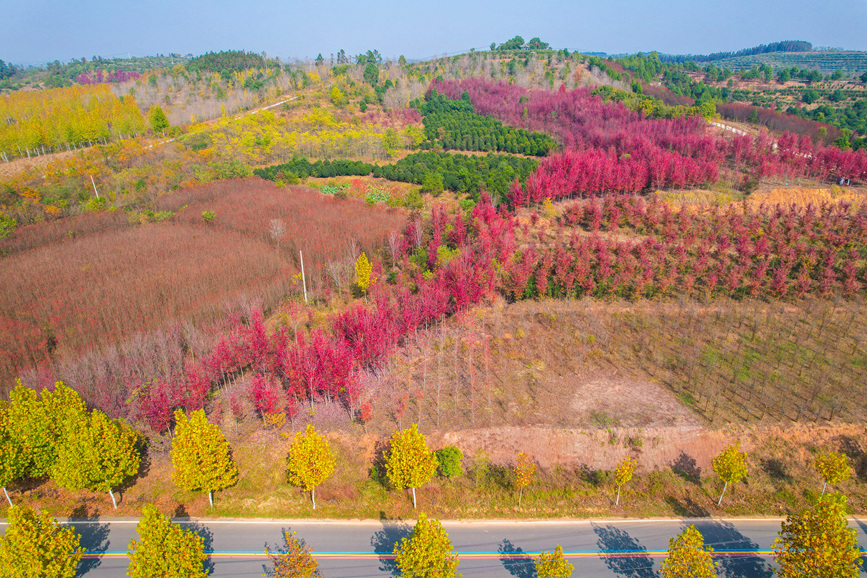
<point>303,278</point>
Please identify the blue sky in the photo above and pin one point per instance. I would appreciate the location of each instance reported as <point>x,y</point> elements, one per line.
<point>37,31</point>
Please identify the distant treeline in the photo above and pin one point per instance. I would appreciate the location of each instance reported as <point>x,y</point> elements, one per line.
<point>226,60</point>
<point>784,46</point>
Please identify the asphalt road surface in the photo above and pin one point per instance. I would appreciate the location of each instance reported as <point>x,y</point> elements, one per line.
<point>626,548</point>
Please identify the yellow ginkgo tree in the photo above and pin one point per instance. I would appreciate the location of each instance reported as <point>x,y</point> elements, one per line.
<point>730,466</point>
<point>310,461</point>
<point>819,542</point>
<point>98,454</point>
<point>833,467</point>
<point>201,455</point>
<point>410,463</point>
<point>623,474</point>
<point>524,470</point>
<point>363,271</point>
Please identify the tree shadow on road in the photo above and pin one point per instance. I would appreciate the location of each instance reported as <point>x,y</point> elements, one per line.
<point>723,536</point>
<point>515,561</point>
<point>94,537</point>
<point>623,554</point>
<point>385,540</point>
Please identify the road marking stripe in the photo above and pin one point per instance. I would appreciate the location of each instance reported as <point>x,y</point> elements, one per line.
<point>465,555</point>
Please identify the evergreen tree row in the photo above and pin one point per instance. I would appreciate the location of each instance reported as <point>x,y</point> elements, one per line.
<point>435,171</point>
<point>453,124</point>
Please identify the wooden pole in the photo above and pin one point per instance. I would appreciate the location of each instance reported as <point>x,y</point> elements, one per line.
<point>303,278</point>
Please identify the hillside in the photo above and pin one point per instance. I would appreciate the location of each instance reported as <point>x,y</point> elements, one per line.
<point>851,63</point>
<point>511,249</point>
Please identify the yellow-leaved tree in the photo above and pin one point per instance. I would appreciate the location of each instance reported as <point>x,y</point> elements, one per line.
<point>410,463</point>
<point>310,461</point>
<point>165,549</point>
<point>553,564</point>
<point>688,557</point>
<point>730,466</point>
<point>13,458</point>
<point>833,467</point>
<point>36,422</point>
<point>623,474</point>
<point>36,545</point>
<point>294,561</point>
<point>524,470</point>
<point>201,455</point>
<point>818,542</point>
<point>363,271</point>
<point>98,454</point>
<point>427,553</point>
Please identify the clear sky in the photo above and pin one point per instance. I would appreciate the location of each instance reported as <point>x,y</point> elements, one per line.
<point>38,31</point>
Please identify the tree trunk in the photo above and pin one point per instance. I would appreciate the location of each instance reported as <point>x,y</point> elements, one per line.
<point>413,499</point>
<point>520,495</point>
<point>7,496</point>
<point>823,488</point>
<point>313,497</point>
<point>211,498</point>
<point>723,493</point>
<point>617,501</point>
<point>113,501</point>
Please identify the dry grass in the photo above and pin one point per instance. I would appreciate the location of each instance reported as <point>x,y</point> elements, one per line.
<point>805,196</point>
<point>781,481</point>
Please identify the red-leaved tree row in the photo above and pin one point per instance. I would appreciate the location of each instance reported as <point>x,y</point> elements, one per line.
<point>612,149</point>
<point>291,366</point>
<point>99,76</point>
<point>772,253</point>
<point>448,263</point>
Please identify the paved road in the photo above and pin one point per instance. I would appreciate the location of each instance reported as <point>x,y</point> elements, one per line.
<point>630,549</point>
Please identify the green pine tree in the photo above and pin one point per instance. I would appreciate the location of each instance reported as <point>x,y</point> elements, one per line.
<point>158,119</point>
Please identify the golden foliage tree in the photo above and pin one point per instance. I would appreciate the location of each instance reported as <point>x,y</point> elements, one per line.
<point>165,549</point>
<point>688,557</point>
<point>363,271</point>
<point>524,470</point>
<point>310,461</point>
<point>36,545</point>
<point>553,564</point>
<point>201,455</point>
<point>295,561</point>
<point>623,474</point>
<point>730,466</point>
<point>13,458</point>
<point>36,422</point>
<point>410,463</point>
<point>833,467</point>
<point>427,553</point>
<point>818,543</point>
<point>98,453</point>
